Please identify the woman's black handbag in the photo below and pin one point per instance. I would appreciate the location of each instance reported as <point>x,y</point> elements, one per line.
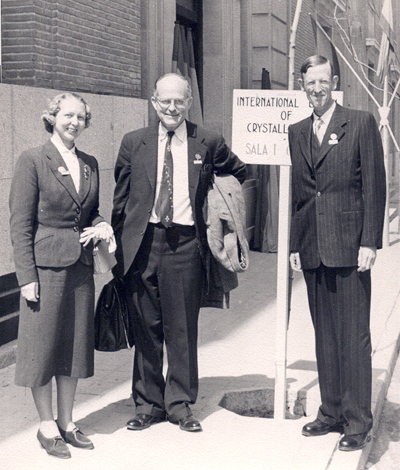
<point>112,322</point>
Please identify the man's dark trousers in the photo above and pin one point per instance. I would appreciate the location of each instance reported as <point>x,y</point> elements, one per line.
<point>339,300</point>
<point>166,282</point>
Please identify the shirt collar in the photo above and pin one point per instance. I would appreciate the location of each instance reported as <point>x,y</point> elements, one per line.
<point>326,117</point>
<point>59,144</point>
<point>180,132</point>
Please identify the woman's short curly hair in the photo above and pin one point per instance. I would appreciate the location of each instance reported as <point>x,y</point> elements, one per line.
<point>48,116</point>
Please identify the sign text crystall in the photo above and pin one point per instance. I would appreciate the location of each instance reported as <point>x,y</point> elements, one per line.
<point>261,119</point>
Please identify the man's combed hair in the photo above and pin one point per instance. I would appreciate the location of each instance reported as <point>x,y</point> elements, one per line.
<point>172,74</point>
<point>313,61</point>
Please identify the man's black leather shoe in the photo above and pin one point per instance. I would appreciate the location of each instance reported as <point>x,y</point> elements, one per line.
<point>319,428</point>
<point>354,441</point>
<point>189,423</point>
<point>143,421</point>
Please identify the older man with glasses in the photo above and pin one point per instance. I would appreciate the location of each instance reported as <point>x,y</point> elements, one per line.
<point>162,174</point>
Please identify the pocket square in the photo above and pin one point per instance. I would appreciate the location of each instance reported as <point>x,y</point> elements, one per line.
<point>197,159</point>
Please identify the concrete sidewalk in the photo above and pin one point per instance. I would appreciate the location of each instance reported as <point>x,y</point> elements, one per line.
<point>236,354</point>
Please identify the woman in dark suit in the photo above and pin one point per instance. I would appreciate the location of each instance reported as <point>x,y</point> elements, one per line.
<point>54,204</point>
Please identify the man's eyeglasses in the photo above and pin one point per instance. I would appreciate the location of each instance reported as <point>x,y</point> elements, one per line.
<point>165,104</point>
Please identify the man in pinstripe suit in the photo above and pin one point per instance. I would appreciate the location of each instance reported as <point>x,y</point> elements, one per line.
<point>338,203</point>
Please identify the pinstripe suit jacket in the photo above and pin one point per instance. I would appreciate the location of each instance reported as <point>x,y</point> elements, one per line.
<point>338,198</point>
<point>47,214</point>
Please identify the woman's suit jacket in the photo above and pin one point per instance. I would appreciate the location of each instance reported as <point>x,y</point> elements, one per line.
<point>338,196</point>
<point>47,214</point>
<point>135,174</point>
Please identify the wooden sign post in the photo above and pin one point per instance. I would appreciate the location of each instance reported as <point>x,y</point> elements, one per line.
<point>261,119</point>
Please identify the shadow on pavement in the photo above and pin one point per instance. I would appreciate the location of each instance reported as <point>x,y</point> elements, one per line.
<point>109,419</point>
<point>388,431</point>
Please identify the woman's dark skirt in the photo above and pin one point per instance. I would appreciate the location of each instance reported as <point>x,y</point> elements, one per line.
<point>56,334</point>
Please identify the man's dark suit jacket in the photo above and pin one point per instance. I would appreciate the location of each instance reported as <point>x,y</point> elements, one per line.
<point>135,175</point>
<point>47,214</point>
<point>338,201</point>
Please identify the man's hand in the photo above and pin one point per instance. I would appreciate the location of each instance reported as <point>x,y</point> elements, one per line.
<point>366,257</point>
<point>295,262</point>
<point>30,291</point>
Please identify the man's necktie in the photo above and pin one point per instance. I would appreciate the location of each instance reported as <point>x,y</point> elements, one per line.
<point>317,130</point>
<point>164,206</point>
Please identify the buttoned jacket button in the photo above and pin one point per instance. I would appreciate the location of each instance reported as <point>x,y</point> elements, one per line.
<point>318,194</point>
<point>77,210</point>
<point>76,220</point>
<point>76,229</point>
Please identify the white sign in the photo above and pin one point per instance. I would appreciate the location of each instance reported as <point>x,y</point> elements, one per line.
<point>261,120</point>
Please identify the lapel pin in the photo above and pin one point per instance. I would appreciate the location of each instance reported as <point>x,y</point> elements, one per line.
<point>333,139</point>
<point>86,172</point>
<point>63,171</point>
<point>197,159</point>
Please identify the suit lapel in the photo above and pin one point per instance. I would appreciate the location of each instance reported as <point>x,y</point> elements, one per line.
<point>196,155</point>
<point>58,167</point>
<point>334,132</point>
<point>85,176</point>
<point>149,153</point>
<point>305,140</point>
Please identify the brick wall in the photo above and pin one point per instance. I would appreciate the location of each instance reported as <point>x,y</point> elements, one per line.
<point>305,45</point>
<point>82,45</point>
